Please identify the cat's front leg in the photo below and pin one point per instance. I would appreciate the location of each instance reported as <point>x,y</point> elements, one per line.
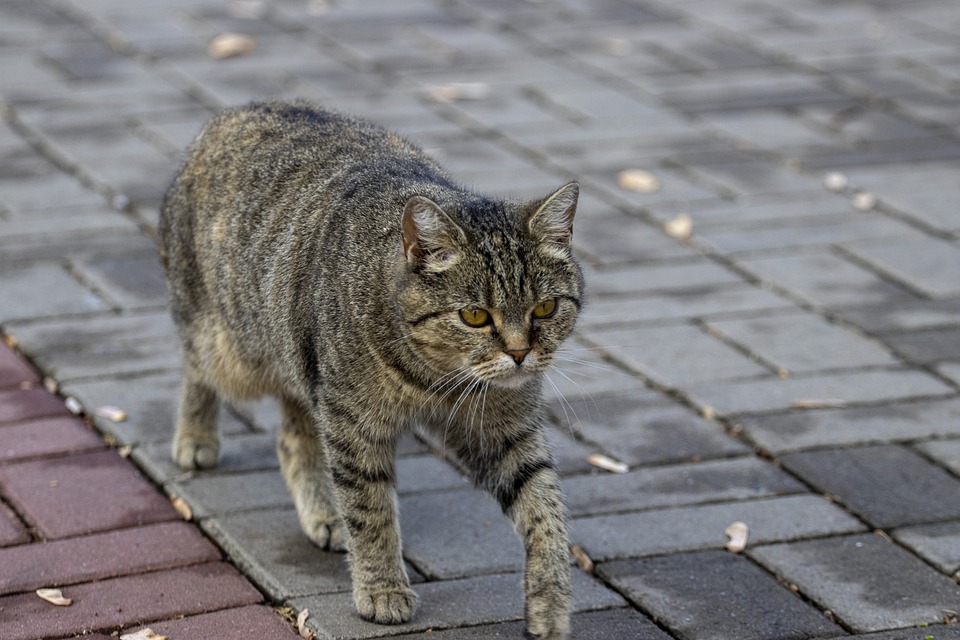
<point>523,480</point>
<point>364,478</point>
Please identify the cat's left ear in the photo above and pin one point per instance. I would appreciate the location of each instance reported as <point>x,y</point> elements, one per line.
<point>552,221</point>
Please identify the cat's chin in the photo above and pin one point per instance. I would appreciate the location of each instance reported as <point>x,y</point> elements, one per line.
<point>513,379</point>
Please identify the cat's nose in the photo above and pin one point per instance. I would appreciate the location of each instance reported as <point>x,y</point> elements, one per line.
<point>518,354</point>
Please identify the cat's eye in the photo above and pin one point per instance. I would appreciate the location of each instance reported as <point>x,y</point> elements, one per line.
<point>545,309</point>
<point>473,317</point>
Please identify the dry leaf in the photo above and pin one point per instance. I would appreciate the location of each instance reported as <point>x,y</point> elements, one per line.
<point>607,464</point>
<point>10,340</point>
<point>182,507</point>
<point>73,406</point>
<point>638,180</point>
<point>708,412</point>
<point>302,629</point>
<point>143,634</point>
<point>54,596</point>
<point>680,227</point>
<point>50,384</point>
<point>446,93</point>
<point>114,414</point>
<point>835,181</point>
<point>125,451</point>
<point>583,560</point>
<point>230,45</point>
<point>864,201</point>
<point>737,534</point>
<point>817,403</point>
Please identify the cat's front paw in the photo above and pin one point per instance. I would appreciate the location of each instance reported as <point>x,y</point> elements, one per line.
<point>196,453</point>
<point>330,536</point>
<point>548,617</point>
<point>386,606</point>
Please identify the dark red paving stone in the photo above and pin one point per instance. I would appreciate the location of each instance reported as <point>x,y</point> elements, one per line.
<point>81,494</point>
<point>127,601</point>
<point>27,404</point>
<point>12,530</point>
<point>46,436</point>
<point>244,623</point>
<point>104,555</point>
<point>13,369</point>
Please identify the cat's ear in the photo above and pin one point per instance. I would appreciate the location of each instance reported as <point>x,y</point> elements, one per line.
<point>431,240</point>
<point>552,221</point>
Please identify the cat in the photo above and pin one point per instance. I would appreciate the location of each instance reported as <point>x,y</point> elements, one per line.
<point>324,260</point>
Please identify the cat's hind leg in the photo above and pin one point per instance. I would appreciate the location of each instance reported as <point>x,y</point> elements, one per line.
<point>303,462</point>
<point>196,444</point>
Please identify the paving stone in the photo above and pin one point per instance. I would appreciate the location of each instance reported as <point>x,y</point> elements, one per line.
<point>589,625</point>
<point>109,604</point>
<point>928,345</point>
<point>924,632</point>
<point>919,262</point>
<point>14,370</point>
<point>104,555</point>
<point>824,279</point>
<point>238,453</point>
<point>676,355</point>
<point>46,437</point>
<point>702,527</point>
<point>915,491</point>
<point>946,452</point>
<point>758,211</point>
<point>239,623</point>
<point>217,494</point>
<point>12,530</point>
<point>767,129</point>
<point>150,403</point>
<point>270,548</point>
<point>937,543</point>
<point>925,193</point>
<point>132,281</point>
<point>653,278</point>
<point>455,534</point>
<point>905,315</point>
<point>772,393</point>
<point>868,583</point>
<point>716,595</point>
<point>676,305</point>
<point>63,294</point>
<point>676,485</point>
<point>647,427</point>
<point>448,604</point>
<point>749,177</point>
<point>902,421</point>
<point>64,496</point>
<point>423,473</point>
<point>803,343</point>
<point>622,238</point>
<point>17,405</point>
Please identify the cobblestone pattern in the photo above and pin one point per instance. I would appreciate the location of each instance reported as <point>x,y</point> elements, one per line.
<point>793,363</point>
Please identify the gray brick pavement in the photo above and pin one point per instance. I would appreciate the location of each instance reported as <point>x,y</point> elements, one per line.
<point>789,323</point>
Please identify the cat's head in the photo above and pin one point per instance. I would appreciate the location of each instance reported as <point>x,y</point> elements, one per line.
<point>490,288</point>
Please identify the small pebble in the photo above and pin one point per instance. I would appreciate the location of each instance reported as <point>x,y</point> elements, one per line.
<point>864,201</point>
<point>835,181</point>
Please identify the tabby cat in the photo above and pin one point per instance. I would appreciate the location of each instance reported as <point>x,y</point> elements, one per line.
<point>326,261</point>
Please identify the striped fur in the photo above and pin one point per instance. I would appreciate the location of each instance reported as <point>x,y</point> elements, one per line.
<point>326,261</point>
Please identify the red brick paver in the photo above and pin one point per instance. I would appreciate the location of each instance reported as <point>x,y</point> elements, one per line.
<point>77,516</point>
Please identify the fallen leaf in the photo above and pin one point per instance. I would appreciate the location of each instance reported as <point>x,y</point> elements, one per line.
<point>144,634</point>
<point>125,451</point>
<point>230,45</point>
<point>583,560</point>
<point>708,412</point>
<point>302,629</point>
<point>835,181</point>
<point>638,180</point>
<point>864,201</point>
<point>54,596</point>
<point>737,534</point>
<point>454,91</point>
<point>817,403</point>
<point>680,227</point>
<point>73,405</point>
<point>182,507</point>
<point>114,414</point>
<point>10,340</point>
<point>607,463</point>
<point>50,384</point>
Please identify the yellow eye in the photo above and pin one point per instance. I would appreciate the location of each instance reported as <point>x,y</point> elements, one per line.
<point>545,309</point>
<point>475,317</point>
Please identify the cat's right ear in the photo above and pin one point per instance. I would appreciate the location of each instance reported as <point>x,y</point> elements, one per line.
<point>431,240</point>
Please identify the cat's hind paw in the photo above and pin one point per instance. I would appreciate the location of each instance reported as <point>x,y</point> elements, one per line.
<point>330,536</point>
<point>193,453</point>
<point>386,606</point>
